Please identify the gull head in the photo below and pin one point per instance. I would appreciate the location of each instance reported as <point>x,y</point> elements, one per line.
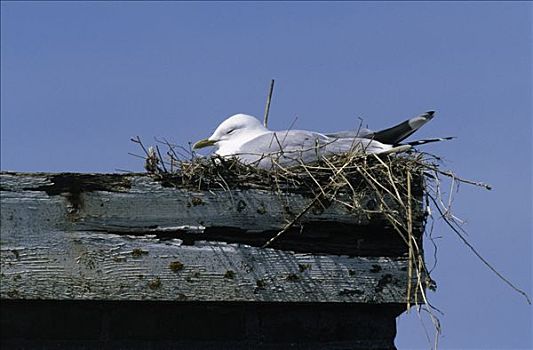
<point>232,133</point>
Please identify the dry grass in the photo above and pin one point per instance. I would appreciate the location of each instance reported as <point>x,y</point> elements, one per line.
<point>397,183</point>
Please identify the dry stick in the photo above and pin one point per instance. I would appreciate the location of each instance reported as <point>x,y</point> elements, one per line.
<point>450,195</point>
<point>389,172</point>
<point>161,158</point>
<point>172,148</point>
<point>480,184</point>
<point>483,260</point>
<point>138,140</point>
<point>426,333</point>
<point>289,129</point>
<point>392,220</point>
<point>436,324</point>
<point>275,178</point>
<point>267,107</point>
<point>290,224</point>
<point>228,188</point>
<point>410,240</point>
<point>306,209</point>
<point>452,175</point>
<point>419,268</point>
<point>331,165</point>
<point>312,177</point>
<point>347,182</point>
<point>136,155</point>
<point>278,188</point>
<point>447,213</point>
<point>398,199</point>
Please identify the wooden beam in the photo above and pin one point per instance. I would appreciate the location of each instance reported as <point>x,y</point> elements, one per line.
<point>130,237</point>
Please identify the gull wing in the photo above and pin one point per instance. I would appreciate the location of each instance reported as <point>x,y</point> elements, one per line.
<point>350,134</point>
<point>294,146</point>
<point>392,135</point>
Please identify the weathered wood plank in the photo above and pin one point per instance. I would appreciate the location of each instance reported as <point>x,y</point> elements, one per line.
<point>135,204</point>
<point>128,237</point>
<point>127,201</point>
<point>86,265</point>
<point>141,202</point>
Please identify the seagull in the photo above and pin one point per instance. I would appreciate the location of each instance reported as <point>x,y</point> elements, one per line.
<point>244,136</point>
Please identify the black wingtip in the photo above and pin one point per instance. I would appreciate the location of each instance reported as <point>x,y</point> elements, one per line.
<point>428,115</point>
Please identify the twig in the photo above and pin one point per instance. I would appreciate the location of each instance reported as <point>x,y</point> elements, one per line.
<point>290,224</point>
<point>452,175</point>
<point>389,172</point>
<point>480,257</point>
<point>161,159</point>
<point>410,240</point>
<point>289,129</point>
<point>136,155</point>
<point>306,209</point>
<point>267,107</point>
<point>137,140</point>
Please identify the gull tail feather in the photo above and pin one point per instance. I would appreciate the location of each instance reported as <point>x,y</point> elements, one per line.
<point>396,134</point>
<point>424,141</point>
<point>409,145</point>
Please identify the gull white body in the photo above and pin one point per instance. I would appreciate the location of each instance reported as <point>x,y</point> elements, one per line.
<point>244,136</point>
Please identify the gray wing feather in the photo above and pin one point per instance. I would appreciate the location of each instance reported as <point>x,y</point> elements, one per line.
<point>366,133</point>
<point>292,147</point>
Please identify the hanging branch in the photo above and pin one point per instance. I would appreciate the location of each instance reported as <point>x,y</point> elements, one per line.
<point>477,254</point>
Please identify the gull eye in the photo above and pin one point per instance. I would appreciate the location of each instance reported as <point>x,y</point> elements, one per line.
<point>232,130</point>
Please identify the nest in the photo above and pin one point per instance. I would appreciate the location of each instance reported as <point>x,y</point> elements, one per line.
<point>396,182</point>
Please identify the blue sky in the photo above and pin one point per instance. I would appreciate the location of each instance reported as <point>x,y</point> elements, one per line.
<point>78,79</point>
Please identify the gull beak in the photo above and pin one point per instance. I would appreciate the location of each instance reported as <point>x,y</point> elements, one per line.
<point>203,143</point>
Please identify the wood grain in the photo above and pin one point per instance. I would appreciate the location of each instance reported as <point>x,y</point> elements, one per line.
<point>127,237</point>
